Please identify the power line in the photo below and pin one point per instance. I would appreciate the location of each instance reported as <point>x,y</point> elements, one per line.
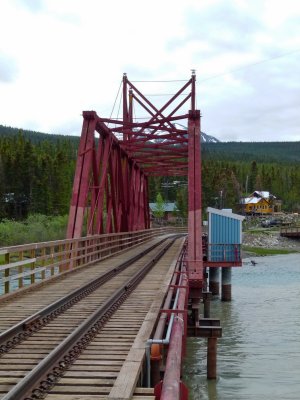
<point>249,65</point>
<point>115,100</point>
<point>175,80</point>
<point>167,94</point>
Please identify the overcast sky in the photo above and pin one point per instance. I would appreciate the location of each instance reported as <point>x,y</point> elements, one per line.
<point>60,57</point>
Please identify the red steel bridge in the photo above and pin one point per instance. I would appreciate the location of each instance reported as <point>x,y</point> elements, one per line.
<point>116,196</point>
<point>48,345</point>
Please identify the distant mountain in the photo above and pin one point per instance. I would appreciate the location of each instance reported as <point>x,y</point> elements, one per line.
<point>205,138</point>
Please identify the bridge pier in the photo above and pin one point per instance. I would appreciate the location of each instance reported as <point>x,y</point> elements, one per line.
<point>214,281</point>
<point>226,284</point>
<point>206,303</point>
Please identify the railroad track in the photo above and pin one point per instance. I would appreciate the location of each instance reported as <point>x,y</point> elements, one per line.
<point>77,346</point>
<point>25,302</point>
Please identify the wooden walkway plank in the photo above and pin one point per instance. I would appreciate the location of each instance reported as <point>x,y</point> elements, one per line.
<point>127,379</point>
<point>111,365</point>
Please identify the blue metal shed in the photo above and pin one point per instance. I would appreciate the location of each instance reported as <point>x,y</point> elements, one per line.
<point>224,235</point>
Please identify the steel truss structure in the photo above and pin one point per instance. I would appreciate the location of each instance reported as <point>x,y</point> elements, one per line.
<point>110,192</point>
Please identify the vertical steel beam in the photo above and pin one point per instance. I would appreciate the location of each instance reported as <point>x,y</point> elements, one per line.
<point>81,179</point>
<point>125,107</point>
<point>195,257</point>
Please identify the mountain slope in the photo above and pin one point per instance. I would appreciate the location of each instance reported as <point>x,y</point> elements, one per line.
<point>205,138</point>
<point>212,148</point>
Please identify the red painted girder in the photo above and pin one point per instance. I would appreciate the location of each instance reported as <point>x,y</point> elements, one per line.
<point>81,179</point>
<point>170,145</point>
<point>168,138</point>
<point>161,124</point>
<point>156,114</point>
<point>195,257</point>
<point>160,111</point>
<point>164,170</point>
<point>142,124</point>
<point>147,131</point>
<point>161,164</point>
<point>175,151</point>
<point>176,144</point>
<point>148,136</point>
<point>157,111</point>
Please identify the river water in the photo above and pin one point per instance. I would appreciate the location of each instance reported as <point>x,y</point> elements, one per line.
<point>259,353</point>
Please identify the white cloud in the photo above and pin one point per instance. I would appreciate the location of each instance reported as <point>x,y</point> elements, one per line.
<point>61,57</point>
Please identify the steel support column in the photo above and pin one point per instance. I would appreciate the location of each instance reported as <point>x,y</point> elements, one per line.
<point>81,179</point>
<point>195,256</point>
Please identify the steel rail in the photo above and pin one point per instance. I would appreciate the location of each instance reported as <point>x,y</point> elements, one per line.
<point>25,328</point>
<point>43,377</point>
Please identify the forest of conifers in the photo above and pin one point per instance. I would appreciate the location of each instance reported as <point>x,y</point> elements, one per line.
<point>36,174</point>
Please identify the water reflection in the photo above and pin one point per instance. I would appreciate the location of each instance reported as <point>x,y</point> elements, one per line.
<point>259,354</point>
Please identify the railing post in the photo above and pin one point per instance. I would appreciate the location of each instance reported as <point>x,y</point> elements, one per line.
<point>32,266</point>
<point>43,253</point>
<point>20,270</point>
<point>60,258</point>
<point>52,251</point>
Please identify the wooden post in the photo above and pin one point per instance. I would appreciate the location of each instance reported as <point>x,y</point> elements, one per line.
<point>60,258</point>
<point>32,267</point>
<point>52,250</point>
<point>43,253</point>
<point>20,270</point>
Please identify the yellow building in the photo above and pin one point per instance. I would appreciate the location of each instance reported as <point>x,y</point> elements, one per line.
<point>261,202</point>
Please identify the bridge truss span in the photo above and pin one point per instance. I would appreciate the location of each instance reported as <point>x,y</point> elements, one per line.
<point>117,156</point>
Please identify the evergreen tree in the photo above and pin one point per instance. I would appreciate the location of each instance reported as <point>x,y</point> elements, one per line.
<point>159,206</point>
<point>252,177</point>
<point>182,202</point>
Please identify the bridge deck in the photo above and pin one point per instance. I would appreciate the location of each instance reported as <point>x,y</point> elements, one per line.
<point>111,365</point>
<point>22,304</point>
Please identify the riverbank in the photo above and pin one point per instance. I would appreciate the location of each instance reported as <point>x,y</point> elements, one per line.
<point>267,242</point>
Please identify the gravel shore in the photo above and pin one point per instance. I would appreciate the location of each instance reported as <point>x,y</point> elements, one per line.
<point>269,239</point>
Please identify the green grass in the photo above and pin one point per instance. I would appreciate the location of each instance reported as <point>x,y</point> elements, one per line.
<point>264,231</point>
<point>260,251</point>
<point>36,228</point>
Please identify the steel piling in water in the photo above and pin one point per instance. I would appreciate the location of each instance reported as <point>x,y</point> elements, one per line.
<point>206,303</point>
<point>214,281</point>
<point>211,358</point>
<point>226,284</point>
